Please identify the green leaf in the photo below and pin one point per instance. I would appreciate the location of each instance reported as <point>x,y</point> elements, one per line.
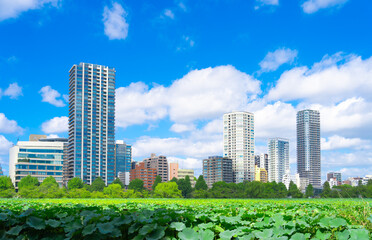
<point>36,222</point>
<point>322,236</point>
<point>146,229</point>
<point>3,216</point>
<point>179,226</point>
<point>206,235</point>
<point>247,237</point>
<point>337,222</point>
<point>298,236</point>
<point>205,225</point>
<point>15,230</point>
<point>267,233</point>
<point>188,234</point>
<point>218,228</point>
<point>89,229</point>
<point>342,235</point>
<point>53,223</point>
<point>105,228</point>
<point>324,222</point>
<point>359,234</point>
<point>227,235</point>
<point>156,235</point>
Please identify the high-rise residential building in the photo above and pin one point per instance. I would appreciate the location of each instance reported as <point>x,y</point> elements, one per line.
<point>238,137</point>
<point>146,174</point>
<point>123,161</point>
<point>260,174</point>
<point>264,161</point>
<point>278,159</point>
<point>92,122</point>
<point>257,160</point>
<point>308,146</point>
<point>336,176</point>
<point>173,171</point>
<point>216,169</point>
<point>39,158</point>
<point>160,163</point>
<point>1,171</point>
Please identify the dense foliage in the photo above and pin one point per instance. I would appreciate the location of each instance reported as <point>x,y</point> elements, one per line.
<point>185,219</point>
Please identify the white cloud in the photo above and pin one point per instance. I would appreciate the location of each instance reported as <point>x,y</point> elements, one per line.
<point>268,2</point>
<point>50,95</point>
<point>199,95</point>
<point>13,91</point>
<point>168,13</point>
<point>338,142</point>
<point>179,128</point>
<point>182,6</point>
<point>52,136</point>
<point>273,60</point>
<point>55,125</point>
<point>4,145</point>
<point>188,163</point>
<point>9,126</point>
<point>312,6</point>
<point>13,8</point>
<point>333,79</point>
<point>116,26</point>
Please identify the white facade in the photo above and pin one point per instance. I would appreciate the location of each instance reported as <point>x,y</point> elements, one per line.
<point>278,159</point>
<point>39,159</point>
<point>332,182</point>
<point>238,136</point>
<point>124,177</point>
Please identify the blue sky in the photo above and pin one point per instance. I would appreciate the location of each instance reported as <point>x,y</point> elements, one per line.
<point>182,64</point>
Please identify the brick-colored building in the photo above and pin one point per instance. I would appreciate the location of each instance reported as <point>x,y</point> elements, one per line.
<point>147,175</point>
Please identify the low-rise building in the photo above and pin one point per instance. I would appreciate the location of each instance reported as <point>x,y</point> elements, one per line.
<point>336,177</point>
<point>147,175</point>
<point>40,158</point>
<point>182,173</point>
<point>216,169</point>
<point>260,174</point>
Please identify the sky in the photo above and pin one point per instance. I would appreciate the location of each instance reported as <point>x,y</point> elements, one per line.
<point>181,64</point>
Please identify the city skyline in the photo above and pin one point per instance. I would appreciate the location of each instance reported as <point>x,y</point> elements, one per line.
<point>178,74</point>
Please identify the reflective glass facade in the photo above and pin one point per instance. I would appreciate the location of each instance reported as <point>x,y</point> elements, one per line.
<point>91,146</point>
<point>123,156</point>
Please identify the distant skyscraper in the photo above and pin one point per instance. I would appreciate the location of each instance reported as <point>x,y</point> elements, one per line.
<point>123,161</point>
<point>264,161</point>
<point>238,137</point>
<point>278,159</point>
<point>160,163</point>
<point>308,146</point>
<point>92,122</point>
<point>1,171</point>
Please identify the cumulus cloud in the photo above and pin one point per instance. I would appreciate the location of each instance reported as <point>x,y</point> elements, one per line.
<point>339,142</point>
<point>179,128</point>
<point>50,95</point>
<point>9,126</point>
<point>13,8</point>
<point>116,26</point>
<point>312,6</point>
<point>333,79</point>
<point>199,95</point>
<point>13,91</point>
<point>273,60</point>
<point>4,145</point>
<point>55,125</point>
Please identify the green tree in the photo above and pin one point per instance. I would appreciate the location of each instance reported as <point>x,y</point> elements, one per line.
<point>293,191</point>
<point>136,185</point>
<point>156,182</point>
<point>113,191</point>
<point>309,191</point>
<point>28,182</point>
<point>75,183</point>
<point>50,181</point>
<point>201,184</point>
<point>98,195</point>
<point>6,183</point>
<point>78,193</point>
<point>49,188</point>
<point>326,190</point>
<point>118,181</point>
<point>97,185</point>
<point>174,179</point>
<point>185,186</point>
<point>167,190</point>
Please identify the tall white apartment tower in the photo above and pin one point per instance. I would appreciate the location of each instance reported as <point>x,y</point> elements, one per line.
<point>91,142</point>
<point>278,159</point>
<point>238,138</point>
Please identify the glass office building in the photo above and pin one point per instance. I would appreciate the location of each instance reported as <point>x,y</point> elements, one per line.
<point>40,159</point>
<point>91,145</point>
<point>278,159</point>
<point>123,161</point>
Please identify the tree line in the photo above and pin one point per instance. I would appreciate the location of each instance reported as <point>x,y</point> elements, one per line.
<point>29,187</point>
